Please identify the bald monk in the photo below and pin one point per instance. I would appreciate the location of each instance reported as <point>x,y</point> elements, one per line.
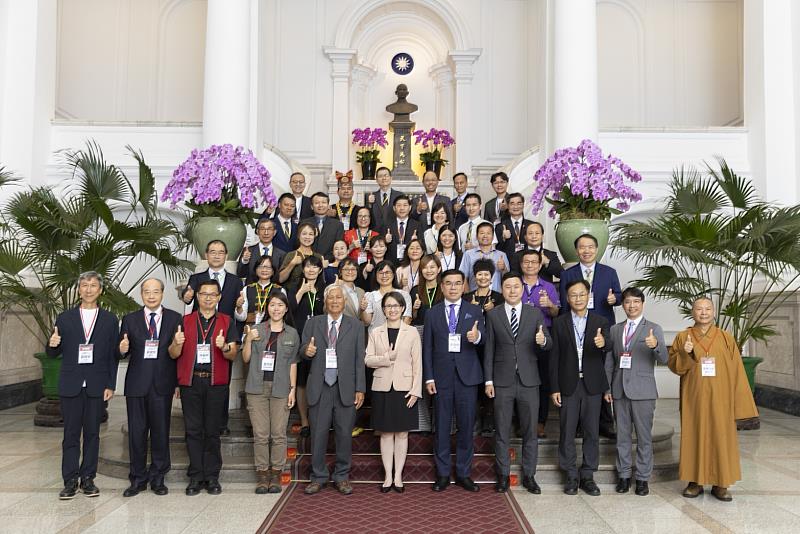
<point>714,394</point>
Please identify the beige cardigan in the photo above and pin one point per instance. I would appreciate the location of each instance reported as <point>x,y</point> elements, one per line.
<point>402,367</point>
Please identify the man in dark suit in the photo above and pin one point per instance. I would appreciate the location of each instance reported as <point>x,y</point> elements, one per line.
<point>457,203</point>
<point>265,229</point>
<point>534,238</point>
<point>86,337</point>
<point>401,230</point>
<point>303,207</point>
<point>497,208</point>
<point>452,372</point>
<point>422,205</point>
<point>216,256</point>
<point>336,384</point>
<point>604,294</point>
<point>150,383</point>
<point>285,237</point>
<point>329,229</point>
<point>578,381</point>
<point>381,201</point>
<point>510,232</point>
<point>511,373</point>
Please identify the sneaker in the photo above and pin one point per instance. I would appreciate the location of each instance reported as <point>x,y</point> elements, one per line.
<point>88,488</point>
<point>69,491</point>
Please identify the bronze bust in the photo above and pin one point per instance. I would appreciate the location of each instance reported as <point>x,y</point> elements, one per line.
<point>402,109</point>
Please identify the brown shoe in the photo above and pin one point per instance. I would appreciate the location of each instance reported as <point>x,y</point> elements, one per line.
<point>344,487</point>
<point>692,490</point>
<point>262,481</point>
<point>312,488</point>
<point>274,481</point>
<point>721,493</point>
<point>540,433</point>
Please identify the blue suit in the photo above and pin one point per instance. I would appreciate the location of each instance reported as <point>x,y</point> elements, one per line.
<point>605,278</point>
<point>286,244</point>
<point>457,376</point>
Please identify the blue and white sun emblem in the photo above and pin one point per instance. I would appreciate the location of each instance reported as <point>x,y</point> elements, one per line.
<point>402,63</point>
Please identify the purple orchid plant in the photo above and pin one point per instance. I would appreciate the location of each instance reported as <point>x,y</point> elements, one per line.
<point>221,181</point>
<point>369,139</point>
<point>434,142</point>
<point>580,183</point>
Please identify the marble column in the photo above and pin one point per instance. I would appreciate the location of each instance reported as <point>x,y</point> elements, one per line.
<point>341,66</point>
<point>464,133</point>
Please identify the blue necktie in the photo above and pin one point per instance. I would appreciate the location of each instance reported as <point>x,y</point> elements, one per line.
<point>451,319</point>
<point>152,325</point>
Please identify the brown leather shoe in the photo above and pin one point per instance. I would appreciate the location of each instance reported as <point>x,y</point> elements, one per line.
<point>344,487</point>
<point>721,493</point>
<point>274,484</point>
<point>262,481</point>
<point>692,490</point>
<point>540,433</point>
<point>312,488</point>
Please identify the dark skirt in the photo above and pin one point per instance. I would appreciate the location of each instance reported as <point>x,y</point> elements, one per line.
<point>303,368</point>
<point>390,414</point>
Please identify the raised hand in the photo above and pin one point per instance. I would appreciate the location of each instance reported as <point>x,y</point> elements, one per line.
<point>544,300</point>
<point>188,295</point>
<point>219,341</point>
<point>414,235</point>
<point>363,304</point>
<point>599,340</point>
<point>388,236</point>
<point>468,245</point>
<point>311,350</point>
<point>403,280</point>
<point>651,341</point>
<point>246,255</point>
<point>689,345</point>
<point>251,333</point>
<point>124,345</point>
<point>331,212</point>
<point>540,339</point>
<point>506,232</point>
<point>417,303</point>
<point>240,299</point>
<point>472,335</point>
<point>489,304</point>
<point>180,337</point>
<point>503,206</point>
<point>501,264</point>
<point>422,206</point>
<point>371,198</point>
<point>369,267</point>
<point>612,299</point>
<point>297,259</point>
<point>55,339</point>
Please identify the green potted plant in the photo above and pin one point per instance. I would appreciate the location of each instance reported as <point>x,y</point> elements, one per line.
<point>99,221</point>
<point>717,238</point>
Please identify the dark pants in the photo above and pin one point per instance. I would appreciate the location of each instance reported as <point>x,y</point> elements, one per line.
<point>463,399</point>
<point>584,408</point>
<point>544,388</point>
<point>329,410</point>
<point>81,414</point>
<point>149,415</point>
<point>527,401</point>
<point>203,408</point>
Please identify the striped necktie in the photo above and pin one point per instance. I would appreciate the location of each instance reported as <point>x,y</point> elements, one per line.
<point>514,322</point>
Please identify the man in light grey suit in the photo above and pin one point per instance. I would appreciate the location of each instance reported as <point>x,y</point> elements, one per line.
<point>636,344</point>
<point>335,389</point>
<point>514,332</point>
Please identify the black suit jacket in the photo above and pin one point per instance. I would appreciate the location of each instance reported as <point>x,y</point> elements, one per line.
<point>160,373</point>
<point>248,270</point>
<point>422,218</point>
<point>411,227</point>
<point>280,240</point>
<point>553,268</point>
<point>332,231</point>
<point>460,216</point>
<point>504,356</point>
<point>99,375</point>
<point>490,210</point>
<point>230,291</point>
<point>509,245</point>
<point>564,356</point>
<point>306,210</point>
<point>382,215</point>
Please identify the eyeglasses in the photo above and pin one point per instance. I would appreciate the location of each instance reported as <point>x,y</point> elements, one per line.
<point>457,283</point>
<point>349,269</point>
<point>216,253</point>
<point>392,306</point>
<point>208,295</point>
<point>531,262</point>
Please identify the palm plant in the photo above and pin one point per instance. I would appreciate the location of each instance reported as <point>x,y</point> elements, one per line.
<point>98,222</point>
<point>717,239</point>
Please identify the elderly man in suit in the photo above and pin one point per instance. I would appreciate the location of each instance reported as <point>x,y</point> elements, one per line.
<point>452,372</point>
<point>578,381</point>
<point>150,383</point>
<point>381,201</point>
<point>86,337</point>
<point>422,205</point>
<point>285,237</point>
<point>329,229</point>
<point>336,384</point>
<point>636,345</point>
<point>514,331</point>
<point>265,229</point>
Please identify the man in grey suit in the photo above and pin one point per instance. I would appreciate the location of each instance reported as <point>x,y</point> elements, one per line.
<point>513,333</point>
<point>329,229</point>
<point>636,344</point>
<point>422,205</point>
<point>335,389</point>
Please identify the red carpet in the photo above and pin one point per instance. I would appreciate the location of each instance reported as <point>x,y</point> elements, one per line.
<point>417,511</point>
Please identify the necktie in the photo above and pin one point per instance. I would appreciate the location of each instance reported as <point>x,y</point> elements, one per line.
<point>265,251</point>
<point>385,199</point>
<point>589,276</point>
<point>514,323</point>
<point>320,224</point>
<point>629,335</point>
<point>286,230</point>
<point>402,231</point>
<point>451,319</point>
<point>469,232</point>
<point>215,276</point>
<point>330,374</point>
<point>152,326</point>
<point>516,229</point>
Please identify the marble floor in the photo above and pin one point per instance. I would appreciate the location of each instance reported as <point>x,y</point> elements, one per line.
<point>767,500</point>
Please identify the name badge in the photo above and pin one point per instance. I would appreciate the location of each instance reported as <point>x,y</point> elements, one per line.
<point>401,251</point>
<point>85,353</point>
<point>518,247</point>
<point>204,353</point>
<point>708,366</point>
<point>150,349</point>
<point>330,358</point>
<point>346,223</point>
<point>268,360</point>
<point>625,360</point>
<point>362,258</point>
<point>591,302</point>
<point>454,343</point>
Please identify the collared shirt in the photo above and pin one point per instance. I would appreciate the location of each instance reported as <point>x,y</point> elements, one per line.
<point>430,201</point>
<point>265,250</point>
<point>471,256</point>
<point>464,229</point>
<point>404,222</point>
<point>628,331</point>
<point>530,295</point>
<point>159,312</point>
<point>298,205</point>
<point>220,276</point>
<point>518,309</point>
<point>579,329</point>
<point>338,325</point>
<point>592,266</point>
<point>281,222</point>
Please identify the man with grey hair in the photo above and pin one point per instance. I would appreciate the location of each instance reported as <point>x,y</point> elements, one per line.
<point>334,343</point>
<point>86,337</point>
<point>150,383</point>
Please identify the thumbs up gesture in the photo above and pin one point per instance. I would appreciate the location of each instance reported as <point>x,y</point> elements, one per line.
<point>612,299</point>
<point>500,264</point>
<point>689,345</point>
<point>414,235</point>
<point>506,232</point>
<point>544,300</point>
<point>371,198</point>
<point>240,299</point>
<point>251,334</point>
<point>422,206</point>
<point>188,295</point>
<point>311,350</point>
<point>540,339</point>
<point>55,339</point>
<point>472,335</point>
<point>246,255</point>
<point>363,303</point>
<point>651,340</point>
<point>124,345</point>
<point>599,340</point>
<point>219,341</point>
<point>179,337</point>
<point>417,303</point>
<point>388,236</point>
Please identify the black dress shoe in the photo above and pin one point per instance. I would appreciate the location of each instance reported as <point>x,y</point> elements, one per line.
<point>589,487</point>
<point>501,486</point>
<point>608,433</point>
<point>386,489</point>
<point>467,483</point>
<point>571,487</point>
<point>642,489</point>
<point>194,488</point>
<point>88,488</point>
<point>398,489</point>
<point>159,488</point>
<point>624,484</point>
<point>305,432</point>
<point>69,491</point>
<point>441,484</point>
<point>529,483</point>
<point>132,491</point>
<point>213,487</point>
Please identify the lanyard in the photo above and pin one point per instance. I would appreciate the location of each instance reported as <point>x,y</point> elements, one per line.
<point>211,324</point>
<point>271,340</point>
<point>431,294</point>
<point>527,293</point>
<point>707,349</point>
<point>628,336</point>
<point>262,295</point>
<point>413,276</point>
<point>447,261</point>
<point>578,335</point>
<point>312,301</point>
<point>362,239</point>
<point>88,333</point>
<point>341,213</point>
<point>156,319</point>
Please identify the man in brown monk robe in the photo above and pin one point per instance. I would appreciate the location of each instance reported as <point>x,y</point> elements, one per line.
<point>714,394</point>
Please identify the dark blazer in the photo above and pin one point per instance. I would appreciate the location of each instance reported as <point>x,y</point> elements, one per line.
<point>638,382</point>
<point>504,356</point>
<point>306,210</point>
<point>353,219</point>
<point>490,210</point>
<point>460,216</point>
<point>604,278</point>
<point>280,240</point>
<point>422,218</point>
<point>441,365</point>
<point>230,291</point>
<point>350,350</point>
<point>248,270</point>
<point>564,356</point>
<point>509,245</point>
<point>382,215</point>
<point>552,270</point>
<point>411,227</point>
<point>332,231</point>
<point>161,373</point>
<point>99,375</point>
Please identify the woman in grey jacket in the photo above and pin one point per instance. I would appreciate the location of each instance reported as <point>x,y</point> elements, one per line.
<point>270,348</point>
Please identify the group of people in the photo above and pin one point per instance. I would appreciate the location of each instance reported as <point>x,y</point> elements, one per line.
<point>435,310</point>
